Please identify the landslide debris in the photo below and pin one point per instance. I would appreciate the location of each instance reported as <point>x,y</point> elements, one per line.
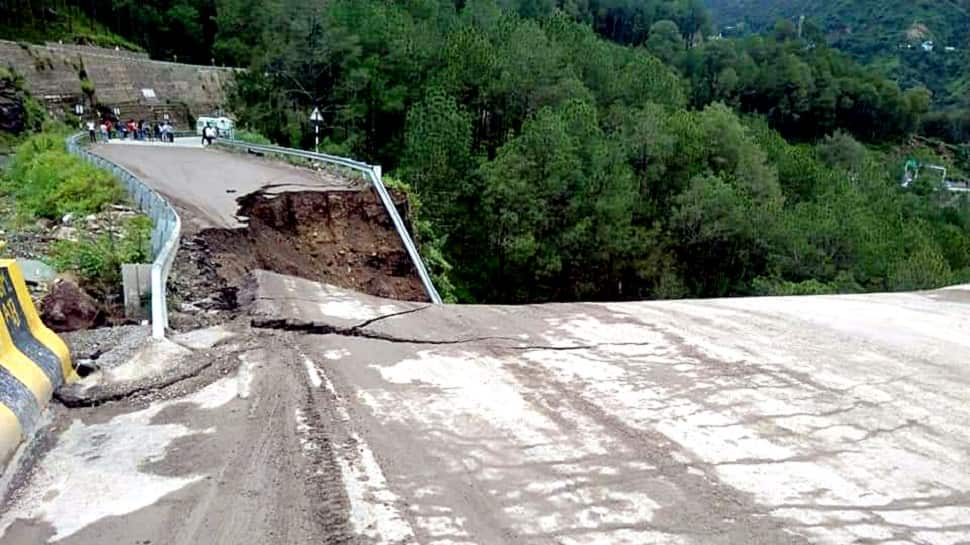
<point>341,237</point>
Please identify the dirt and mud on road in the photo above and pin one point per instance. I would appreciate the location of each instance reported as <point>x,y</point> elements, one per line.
<point>328,416</point>
<point>214,447</point>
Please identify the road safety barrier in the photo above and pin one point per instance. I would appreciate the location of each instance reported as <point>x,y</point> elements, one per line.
<point>34,361</point>
<point>373,174</point>
<point>166,228</point>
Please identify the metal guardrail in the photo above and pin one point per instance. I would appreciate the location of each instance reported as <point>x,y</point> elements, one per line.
<point>372,173</point>
<point>166,228</point>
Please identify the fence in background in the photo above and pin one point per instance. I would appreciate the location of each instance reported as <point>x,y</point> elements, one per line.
<point>166,228</point>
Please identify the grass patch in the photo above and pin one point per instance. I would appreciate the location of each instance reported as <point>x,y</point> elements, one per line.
<point>42,180</point>
<point>97,259</point>
<point>252,137</point>
<point>45,181</point>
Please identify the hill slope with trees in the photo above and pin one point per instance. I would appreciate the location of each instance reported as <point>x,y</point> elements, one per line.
<point>889,34</point>
<point>554,164</point>
<point>601,149</point>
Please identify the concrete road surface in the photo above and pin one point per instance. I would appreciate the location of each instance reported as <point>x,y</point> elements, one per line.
<point>205,183</point>
<point>351,419</point>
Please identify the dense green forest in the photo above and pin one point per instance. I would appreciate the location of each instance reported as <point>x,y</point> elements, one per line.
<point>558,165</point>
<point>887,34</point>
<point>584,149</point>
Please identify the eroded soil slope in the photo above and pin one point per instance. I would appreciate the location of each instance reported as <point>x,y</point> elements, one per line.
<point>341,237</point>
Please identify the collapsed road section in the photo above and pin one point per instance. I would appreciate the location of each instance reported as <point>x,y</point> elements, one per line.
<point>241,213</point>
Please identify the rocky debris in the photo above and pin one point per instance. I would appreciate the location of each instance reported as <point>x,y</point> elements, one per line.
<point>106,347</point>
<point>67,307</point>
<point>107,221</point>
<point>64,232</point>
<point>148,371</point>
<point>34,241</point>
<point>26,243</point>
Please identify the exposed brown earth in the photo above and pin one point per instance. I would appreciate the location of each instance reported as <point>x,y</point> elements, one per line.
<point>340,237</point>
<point>242,213</point>
<point>343,238</point>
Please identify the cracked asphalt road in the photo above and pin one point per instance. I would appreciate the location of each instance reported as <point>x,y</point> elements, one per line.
<point>342,418</point>
<point>205,183</point>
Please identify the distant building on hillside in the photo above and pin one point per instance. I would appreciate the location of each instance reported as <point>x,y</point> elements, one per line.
<point>928,46</point>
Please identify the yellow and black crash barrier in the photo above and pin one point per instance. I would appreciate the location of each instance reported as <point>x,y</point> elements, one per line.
<point>34,361</point>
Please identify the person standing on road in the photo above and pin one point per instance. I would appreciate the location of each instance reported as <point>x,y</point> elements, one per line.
<point>92,135</point>
<point>104,130</point>
<point>208,135</point>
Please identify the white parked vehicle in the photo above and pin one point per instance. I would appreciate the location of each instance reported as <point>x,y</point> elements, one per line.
<point>224,126</point>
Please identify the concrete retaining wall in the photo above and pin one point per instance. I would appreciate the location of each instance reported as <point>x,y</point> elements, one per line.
<point>119,77</point>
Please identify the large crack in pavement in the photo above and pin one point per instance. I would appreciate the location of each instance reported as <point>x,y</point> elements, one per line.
<point>361,330</point>
<point>316,328</point>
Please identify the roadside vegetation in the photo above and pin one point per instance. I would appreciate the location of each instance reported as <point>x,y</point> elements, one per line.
<point>251,137</point>
<point>45,181</point>
<point>96,258</point>
<point>74,211</point>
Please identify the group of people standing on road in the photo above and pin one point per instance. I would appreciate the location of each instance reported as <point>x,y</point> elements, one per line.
<point>108,129</point>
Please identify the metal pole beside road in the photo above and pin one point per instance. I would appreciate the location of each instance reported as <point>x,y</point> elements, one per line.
<point>316,118</point>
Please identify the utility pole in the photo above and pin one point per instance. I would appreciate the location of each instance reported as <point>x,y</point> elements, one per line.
<point>316,118</point>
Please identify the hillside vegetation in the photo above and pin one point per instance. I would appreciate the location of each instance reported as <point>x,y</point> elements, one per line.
<point>888,34</point>
<point>603,149</point>
<point>554,164</point>
<point>56,21</point>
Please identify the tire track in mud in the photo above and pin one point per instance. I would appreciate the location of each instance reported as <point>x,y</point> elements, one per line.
<point>707,508</point>
<point>322,430</point>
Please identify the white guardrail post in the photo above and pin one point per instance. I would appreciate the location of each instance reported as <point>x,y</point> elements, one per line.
<point>372,173</point>
<point>166,229</point>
